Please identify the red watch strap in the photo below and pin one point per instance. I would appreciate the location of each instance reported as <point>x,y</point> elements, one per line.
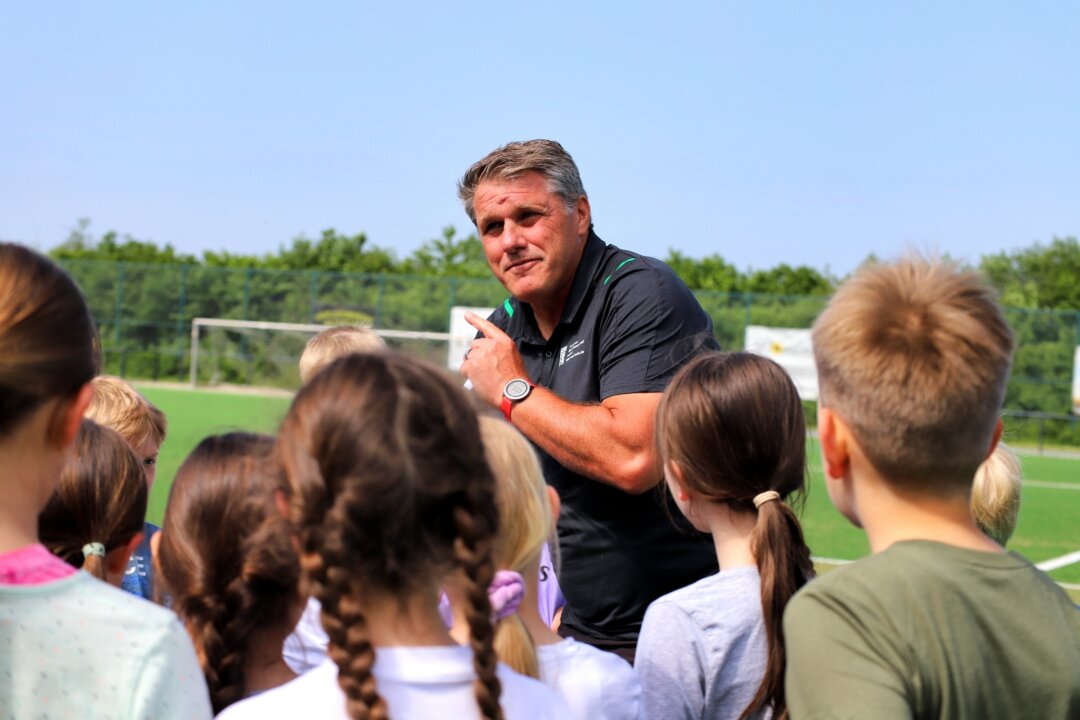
<point>506,406</point>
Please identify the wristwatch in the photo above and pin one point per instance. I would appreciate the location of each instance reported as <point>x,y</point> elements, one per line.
<point>514,391</point>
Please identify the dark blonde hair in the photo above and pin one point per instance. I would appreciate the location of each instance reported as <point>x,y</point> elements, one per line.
<point>101,498</point>
<point>48,345</point>
<point>120,406</point>
<point>332,343</point>
<point>733,423</point>
<point>914,356</point>
<point>511,161</point>
<point>391,493</point>
<point>226,555</point>
<point>525,524</point>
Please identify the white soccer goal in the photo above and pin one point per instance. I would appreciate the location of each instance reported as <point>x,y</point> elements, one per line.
<point>254,352</point>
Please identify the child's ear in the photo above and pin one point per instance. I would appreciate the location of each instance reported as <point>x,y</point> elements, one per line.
<point>116,561</point>
<point>70,414</point>
<point>556,503</point>
<point>998,429</point>
<point>832,434</point>
<point>673,473</point>
<point>281,502</point>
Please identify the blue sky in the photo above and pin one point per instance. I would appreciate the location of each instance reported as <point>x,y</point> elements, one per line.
<point>805,133</point>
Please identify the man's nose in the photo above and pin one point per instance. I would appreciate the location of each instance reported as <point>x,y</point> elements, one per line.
<point>513,237</point>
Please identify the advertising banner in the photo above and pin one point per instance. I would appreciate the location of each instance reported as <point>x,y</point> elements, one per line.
<point>1076,382</point>
<point>791,349</point>
<point>461,334</point>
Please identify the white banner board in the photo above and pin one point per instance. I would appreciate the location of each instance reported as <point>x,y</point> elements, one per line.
<point>461,334</point>
<point>1076,383</point>
<point>790,348</point>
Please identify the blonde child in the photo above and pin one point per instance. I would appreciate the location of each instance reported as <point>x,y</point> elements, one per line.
<point>732,440</point>
<point>305,648</point>
<point>597,685</point>
<point>118,405</point>
<point>226,558</point>
<point>335,342</point>
<point>94,518</point>
<point>76,647</point>
<point>390,495</point>
<point>939,621</point>
<point>995,496</point>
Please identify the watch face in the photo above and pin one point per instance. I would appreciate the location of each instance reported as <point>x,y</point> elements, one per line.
<point>516,389</point>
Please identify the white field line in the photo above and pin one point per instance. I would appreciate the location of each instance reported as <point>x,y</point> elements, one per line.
<point>1059,562</point>
<point>1049,485</point>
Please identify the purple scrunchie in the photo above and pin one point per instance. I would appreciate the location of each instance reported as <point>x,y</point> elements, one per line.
<point>506,592</point>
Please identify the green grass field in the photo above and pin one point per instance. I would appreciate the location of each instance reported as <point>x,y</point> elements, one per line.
<point>1049,525</point>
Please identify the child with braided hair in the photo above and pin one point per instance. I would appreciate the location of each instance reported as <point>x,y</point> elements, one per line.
<point>226,558</point>
<point>597,685</point>
<point>390,495</point>
<point>732,437</point>
<point>74,646</point>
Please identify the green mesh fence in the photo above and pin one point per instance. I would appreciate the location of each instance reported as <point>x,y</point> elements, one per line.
<point>144,314</point>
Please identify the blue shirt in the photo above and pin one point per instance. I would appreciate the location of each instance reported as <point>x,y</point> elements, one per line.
<point>139,576</point>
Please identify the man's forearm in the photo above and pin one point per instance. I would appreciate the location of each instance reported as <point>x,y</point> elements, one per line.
<point>610,442</point>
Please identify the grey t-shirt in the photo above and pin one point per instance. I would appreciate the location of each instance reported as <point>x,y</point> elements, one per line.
<point>702,650</point>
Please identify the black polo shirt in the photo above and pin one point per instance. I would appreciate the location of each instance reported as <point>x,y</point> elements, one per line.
<point>629,324</point>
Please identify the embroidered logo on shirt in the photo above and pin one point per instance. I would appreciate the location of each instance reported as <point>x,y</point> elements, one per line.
<point>571,351</point>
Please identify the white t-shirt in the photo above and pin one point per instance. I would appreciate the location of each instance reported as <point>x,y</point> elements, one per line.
<point>305,648</point>
<point>415,682</point>
<point>597,685</point>
<point>80,648</point>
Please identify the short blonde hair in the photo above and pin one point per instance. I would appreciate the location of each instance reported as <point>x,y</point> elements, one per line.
<point>914,357</point>
<point>119,406</point>
<point>336,342</point>
<point>995,496</point>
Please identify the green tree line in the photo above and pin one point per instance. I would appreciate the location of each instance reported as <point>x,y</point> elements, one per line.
<point>144,295</point>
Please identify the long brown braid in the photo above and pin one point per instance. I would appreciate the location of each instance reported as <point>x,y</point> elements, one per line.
<point>226,556</point>
<point>734,424</point>
<point>390,488</point>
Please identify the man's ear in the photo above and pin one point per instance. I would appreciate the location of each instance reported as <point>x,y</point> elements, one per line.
<point>583,215</point>
<point>69,414</point>
<point>832,434</point>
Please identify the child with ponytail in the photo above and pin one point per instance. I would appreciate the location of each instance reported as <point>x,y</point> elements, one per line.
<point>391,495</point>
<point>75,646</point>
<point>597,685</point>
<point>732,439</point>
<point>94,519</point>
<point>226,558</point>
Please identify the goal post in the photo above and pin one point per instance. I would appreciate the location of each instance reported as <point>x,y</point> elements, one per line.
<point>430,345</point>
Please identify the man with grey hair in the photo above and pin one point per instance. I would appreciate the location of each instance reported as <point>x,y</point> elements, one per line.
<point>576,359</point>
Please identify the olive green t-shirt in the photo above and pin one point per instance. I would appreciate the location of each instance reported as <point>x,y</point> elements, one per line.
<point>926,630</point>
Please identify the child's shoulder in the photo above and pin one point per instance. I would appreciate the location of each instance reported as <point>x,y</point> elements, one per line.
<point>711,598</point>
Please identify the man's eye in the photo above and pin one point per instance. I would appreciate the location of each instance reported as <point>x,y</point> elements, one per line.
<point>150,461</point>
<point>493,228</point>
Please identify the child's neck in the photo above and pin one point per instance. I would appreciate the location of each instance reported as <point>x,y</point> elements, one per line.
<point>403,622</point>
<point>731,530</point>
<point>889,517</point>
<point>25,467</point>
<point>264,665</point>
